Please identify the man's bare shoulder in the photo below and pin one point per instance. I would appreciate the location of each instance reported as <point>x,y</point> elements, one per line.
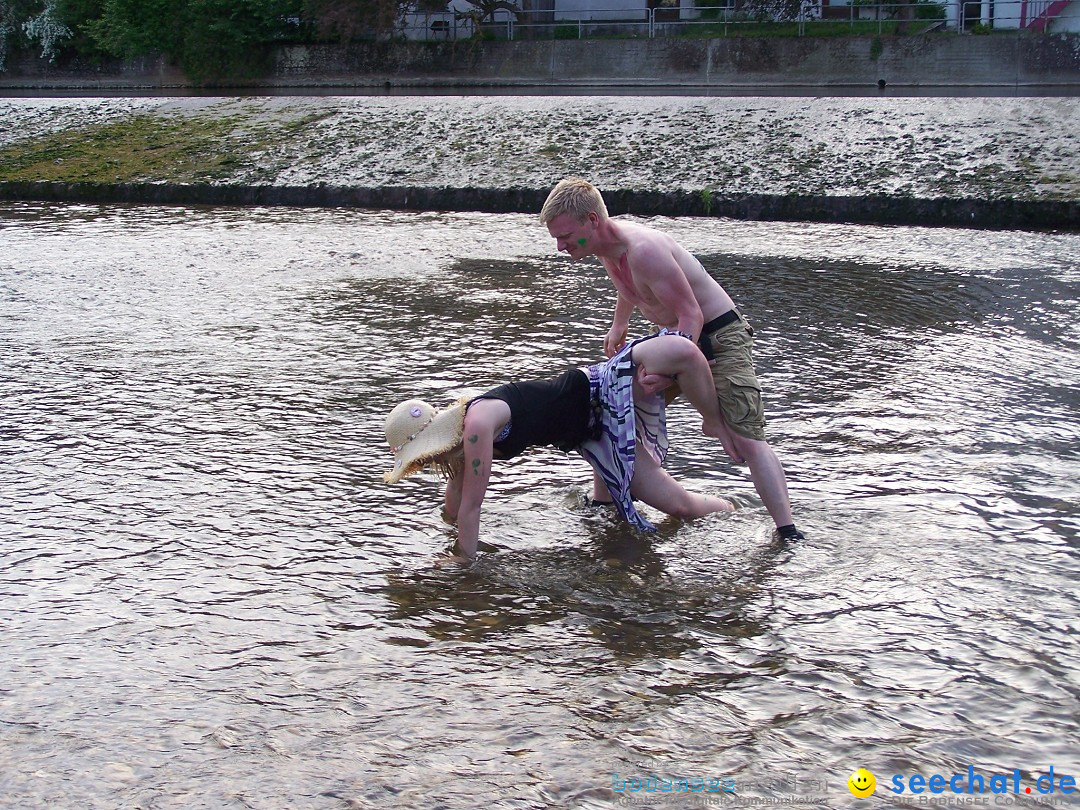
<point>647,247</point>
<point>629,229</point>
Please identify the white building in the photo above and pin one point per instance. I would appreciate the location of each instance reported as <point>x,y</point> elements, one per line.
<point>638,17</point>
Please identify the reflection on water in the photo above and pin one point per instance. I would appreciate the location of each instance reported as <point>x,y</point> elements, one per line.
<point>209,598</point>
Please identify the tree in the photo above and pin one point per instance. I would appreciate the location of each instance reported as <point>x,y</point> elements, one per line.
<point>47,29</point>
<point>14,16</point>
<point>346,20</point>
<point>483,11</point>
<point>210,39</point>
<point>130,28</point>
<point>77,15</point>
<point>905,14</point>
<point>230,38</point>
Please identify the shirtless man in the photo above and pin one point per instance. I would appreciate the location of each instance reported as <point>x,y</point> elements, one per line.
<point>656,275</point>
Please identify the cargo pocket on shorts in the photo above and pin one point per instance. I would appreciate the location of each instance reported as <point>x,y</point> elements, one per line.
<point>742,408</point>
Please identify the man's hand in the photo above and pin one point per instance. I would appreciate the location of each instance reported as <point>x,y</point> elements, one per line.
<point>615,340</point>
<point>651,384</point>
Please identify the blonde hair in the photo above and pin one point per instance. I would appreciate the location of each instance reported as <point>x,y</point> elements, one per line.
<point>573,196</point>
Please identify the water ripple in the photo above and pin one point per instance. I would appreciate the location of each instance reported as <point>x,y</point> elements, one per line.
<point>209,598</point>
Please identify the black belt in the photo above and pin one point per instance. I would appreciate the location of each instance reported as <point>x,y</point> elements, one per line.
<point>719,322</point>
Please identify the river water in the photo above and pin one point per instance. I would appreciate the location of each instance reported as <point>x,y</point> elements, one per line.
<point>208,597</point>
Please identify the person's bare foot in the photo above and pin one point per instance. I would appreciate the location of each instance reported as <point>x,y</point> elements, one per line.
<point>718,430</point>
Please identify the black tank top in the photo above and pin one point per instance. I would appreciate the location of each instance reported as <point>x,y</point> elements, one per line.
<point>543,412</point>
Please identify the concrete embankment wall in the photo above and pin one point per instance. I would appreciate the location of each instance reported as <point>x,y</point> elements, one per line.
<point>931,60</point>
<point>876,209</point>
<point>927,60</point>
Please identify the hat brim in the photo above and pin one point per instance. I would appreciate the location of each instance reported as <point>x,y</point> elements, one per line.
<point>441,434</point>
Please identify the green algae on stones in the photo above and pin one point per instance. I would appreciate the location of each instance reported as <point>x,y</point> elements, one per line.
<point>140,148</point>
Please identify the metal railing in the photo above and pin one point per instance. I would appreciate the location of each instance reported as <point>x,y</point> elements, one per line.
<point>727,20</point>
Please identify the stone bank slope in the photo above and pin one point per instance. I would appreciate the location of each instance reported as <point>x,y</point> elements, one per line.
<point>983,162</point>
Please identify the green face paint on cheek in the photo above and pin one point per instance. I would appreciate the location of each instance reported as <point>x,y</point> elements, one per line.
<point>581,242</point>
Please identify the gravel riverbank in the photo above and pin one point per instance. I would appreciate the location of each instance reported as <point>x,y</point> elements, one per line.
<point>920,157</point>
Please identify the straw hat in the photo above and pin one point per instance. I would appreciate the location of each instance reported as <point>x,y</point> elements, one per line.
<point>417,434</point>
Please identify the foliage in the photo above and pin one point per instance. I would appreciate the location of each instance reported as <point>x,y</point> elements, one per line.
<point>780,10</point>
<point>483,11</point>
<point>76,15</point>
<point>346,20</point>
<point>47,29</point>
<point>928,10</point>
<point>228,38</point>
<point>130,28</point>
<point>6,30</point>
<point>706,196</point>
<point>209,39</point>
<point>13,13</point>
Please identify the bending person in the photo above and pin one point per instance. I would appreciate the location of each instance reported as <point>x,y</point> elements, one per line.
<point>611,413</point>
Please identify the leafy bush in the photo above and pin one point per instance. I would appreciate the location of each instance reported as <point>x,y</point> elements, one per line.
<point>929,10</point>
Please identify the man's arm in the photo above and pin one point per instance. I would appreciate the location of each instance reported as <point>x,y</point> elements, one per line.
<point>655,270</point>
<point>620,324</point>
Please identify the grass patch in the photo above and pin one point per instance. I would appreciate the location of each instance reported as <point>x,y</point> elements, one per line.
<point>140,148</point>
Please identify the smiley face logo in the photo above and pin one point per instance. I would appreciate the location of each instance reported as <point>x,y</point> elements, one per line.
<point>861,783</point>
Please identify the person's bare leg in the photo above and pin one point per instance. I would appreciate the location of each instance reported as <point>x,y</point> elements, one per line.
<point>727,441</point>
<point>655,486</point>
<point>653,384</point>
<point>676,357</point>
<point>768,476</point>
<point>601,495</point>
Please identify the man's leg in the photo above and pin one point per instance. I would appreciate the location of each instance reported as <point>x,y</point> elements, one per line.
<point>739,394</point>
<point>768,476</point>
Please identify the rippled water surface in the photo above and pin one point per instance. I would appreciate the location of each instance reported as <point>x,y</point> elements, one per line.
<point>209,599</point>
